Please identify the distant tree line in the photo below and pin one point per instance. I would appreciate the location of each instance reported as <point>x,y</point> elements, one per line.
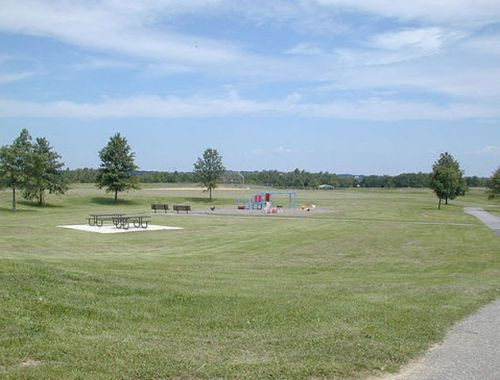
<point>300,179</point>
<point>89,175</point>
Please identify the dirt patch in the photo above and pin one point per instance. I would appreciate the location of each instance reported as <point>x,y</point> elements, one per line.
<point>406,370</point>
<point>30,363</point>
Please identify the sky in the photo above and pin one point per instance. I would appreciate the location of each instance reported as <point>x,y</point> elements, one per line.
<point>346,86</point>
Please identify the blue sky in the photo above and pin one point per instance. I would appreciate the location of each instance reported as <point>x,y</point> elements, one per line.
<point>365,87</point>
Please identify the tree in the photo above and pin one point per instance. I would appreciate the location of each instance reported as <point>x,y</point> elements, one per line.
<point>208,169</point>
<point>14,164</point>
<point>116,172</point>
<point>494,184</point>
<point>45,172</point>
<point>447,179</point>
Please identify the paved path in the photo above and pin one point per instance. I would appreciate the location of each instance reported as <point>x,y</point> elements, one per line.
<point>490,220</point>
<point>470,351</point>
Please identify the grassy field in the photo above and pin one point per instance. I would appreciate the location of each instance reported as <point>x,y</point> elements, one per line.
<point>348,294</point>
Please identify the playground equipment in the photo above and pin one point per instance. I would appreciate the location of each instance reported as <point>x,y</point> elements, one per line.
<point>264,199</point>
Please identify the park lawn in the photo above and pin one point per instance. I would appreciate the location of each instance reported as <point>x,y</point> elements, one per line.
<point>359,291</point>
<point>493,209</point>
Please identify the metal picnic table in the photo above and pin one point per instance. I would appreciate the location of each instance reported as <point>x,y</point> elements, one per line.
<point>98,219</point>
<point>124,221</point>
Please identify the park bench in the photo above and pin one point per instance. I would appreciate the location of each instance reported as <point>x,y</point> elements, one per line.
<point>99,219</point>
<point>178,208</point>
<point>124,221</point>
<point>159,206</point>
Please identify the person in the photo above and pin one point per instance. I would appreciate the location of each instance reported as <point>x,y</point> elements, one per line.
<point>267,208</point>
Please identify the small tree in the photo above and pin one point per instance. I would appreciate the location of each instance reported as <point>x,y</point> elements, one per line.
<point>447,179</point>
<point>117,167</point>
<point>494,184</point>
<point>443,181</point>
<point>45,172</point>
<point>208,169</point>
<point>14,164</point>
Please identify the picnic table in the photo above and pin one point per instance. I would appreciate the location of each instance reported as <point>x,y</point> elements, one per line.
<point>124,221</point>
<point>99,219</point>
<point>119,220</point>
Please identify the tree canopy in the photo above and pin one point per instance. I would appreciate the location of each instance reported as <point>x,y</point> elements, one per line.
<point>45,172</point>
<point>447,179</point>
<point>208,169</point>
<point>116,172</point>
<point>14,164</point>
<point>494,184</point>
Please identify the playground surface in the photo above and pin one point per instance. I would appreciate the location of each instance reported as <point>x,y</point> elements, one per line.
<point>233,211</point>
<point>361,291</point>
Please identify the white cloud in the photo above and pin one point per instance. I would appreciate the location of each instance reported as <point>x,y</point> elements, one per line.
<point>372,109</point>
<point>456,74</point>
<point>456,63</point>
<point>13,77</point>
<point>484,45</point>
<point>142,34</point>
<point>258,152</point>
<point>398,47</point>
<point>140,106</point>
<point>305,49</point>
<point>282,150</point>
<point>301,16</point>
<point>489,150</point>
<point>93,63</point>
<point>423,39</point>
<point>117,27</point>
<point>447,11</point>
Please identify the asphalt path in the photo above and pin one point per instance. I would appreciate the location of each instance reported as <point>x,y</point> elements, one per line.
<point>490,220</point>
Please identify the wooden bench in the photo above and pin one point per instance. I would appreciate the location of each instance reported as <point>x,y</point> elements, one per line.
<point>159,206</point>
<point>178,208</point>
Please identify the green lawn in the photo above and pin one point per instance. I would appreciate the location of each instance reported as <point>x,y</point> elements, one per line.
<point>347,294</point>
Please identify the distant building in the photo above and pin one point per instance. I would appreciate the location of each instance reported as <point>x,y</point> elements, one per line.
<point>326,187</point>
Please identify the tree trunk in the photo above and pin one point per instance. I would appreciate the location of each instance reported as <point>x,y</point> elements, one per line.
<point>439,204</point>
<point>13,199</point>
<point>446,200</point>
<point>210,191</point>
<point>116,196</point>
<point>40,198</point>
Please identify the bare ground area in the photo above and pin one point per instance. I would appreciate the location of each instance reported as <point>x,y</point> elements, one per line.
<point>236,212</point>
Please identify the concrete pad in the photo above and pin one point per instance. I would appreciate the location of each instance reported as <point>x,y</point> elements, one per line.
<point>110,229</point>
